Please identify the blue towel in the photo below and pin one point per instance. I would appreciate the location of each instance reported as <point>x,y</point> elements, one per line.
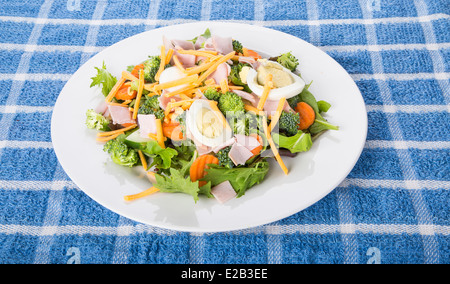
<point>394,206</point>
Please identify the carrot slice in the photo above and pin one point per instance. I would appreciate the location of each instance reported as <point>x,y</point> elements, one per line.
<point>251,53</point>
<point>135,71</point>
<point>124,94</point>
<point>172,130</point>
<point>307,115</point>
<point>199,166</point>
<point>258,149</point>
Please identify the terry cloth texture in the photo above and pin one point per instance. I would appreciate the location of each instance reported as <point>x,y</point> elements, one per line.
<point>394,206</point>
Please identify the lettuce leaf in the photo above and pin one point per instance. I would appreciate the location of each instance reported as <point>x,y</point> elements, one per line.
<point>241,178</point>
<point>162,157</point>
<point>301,142</point>
<point>103,79</point>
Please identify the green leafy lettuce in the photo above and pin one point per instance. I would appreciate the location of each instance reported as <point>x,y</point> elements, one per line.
<point>241,178</point>
<point>104,79</point>
<point>301,142</point>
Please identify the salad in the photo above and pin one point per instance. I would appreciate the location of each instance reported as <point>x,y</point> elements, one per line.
<point>204,116</point>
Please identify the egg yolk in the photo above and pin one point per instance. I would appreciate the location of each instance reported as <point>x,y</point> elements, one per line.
<point>208,123</point>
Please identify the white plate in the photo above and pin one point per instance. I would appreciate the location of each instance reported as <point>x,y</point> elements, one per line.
<point>312,176</point>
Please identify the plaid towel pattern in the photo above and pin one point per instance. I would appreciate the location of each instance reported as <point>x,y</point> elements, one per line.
<point>394,206</point>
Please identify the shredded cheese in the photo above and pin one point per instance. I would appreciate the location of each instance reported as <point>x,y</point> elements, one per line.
<point>267,87</point>
<point>213,68</point>
<point>143,159</point>
<point>114,90</point>
<point>278,111</point>
<point>169,56</point>
<point>202,67</point>
<point>139,94</point>
<point>107,138</point>
<point>254,110</point>
<point>159,134</point>
<point>213,105</point>
<point>174,83</point>
<point>179,91</point>
<point>224,85</point>
<point>149,87</point>
<point>127,75</point>
<point>178,64</point>
<point>118,131</point>
<point>197,53</point>
<point>210,82</point>
<point>146,192</point>
<point>162,63</point>
<point>273,147</point>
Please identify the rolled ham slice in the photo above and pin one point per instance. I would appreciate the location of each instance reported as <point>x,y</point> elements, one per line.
<point>222,45</point>
<point>252,98</point>
<point>147,124</point>
<point>222,72</point>
<point>223,192</point>
<point>248,142</point>
<point>239,154</point>
<point>120,115</point>
<point>227,143</point>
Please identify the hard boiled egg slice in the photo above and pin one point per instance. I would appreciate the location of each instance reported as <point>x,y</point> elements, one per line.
<point>207,124</point>
<point>286,83</point>
<point>171,74</point>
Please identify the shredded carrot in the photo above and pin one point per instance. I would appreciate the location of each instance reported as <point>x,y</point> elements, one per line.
<point>177,82</point>
<point>139,94</point>
<point>213,68</point>
<point>143,159</point>
<point>178,64</point>
<point>169,55</point>
<point>162,64</point>
<point>224,85</point>
<point>273,147</point>
<point>267,87</point>
<point>118,131</point>
<point>146,192</point>
<point>114,90</point>
<point>159,134</point>
<point>278,111</point>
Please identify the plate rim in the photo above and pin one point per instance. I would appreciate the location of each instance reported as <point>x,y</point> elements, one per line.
<point>266,220</point>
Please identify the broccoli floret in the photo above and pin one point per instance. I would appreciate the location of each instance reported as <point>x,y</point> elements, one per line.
<point>151,67</point>
<point>96,121</point>
<point>212,94</point>
<point>224,158</point>
<point>151,106</point>
<point>288,60</point>
<point>120,153</point>
<point>237,46</point>
<point>230,103</point>
<point>289,122</point>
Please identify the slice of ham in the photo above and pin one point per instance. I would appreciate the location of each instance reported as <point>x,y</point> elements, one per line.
<point>163,100</point>
<point>198,43</point>
<point>223,192</point>
<point>120,115</point>
<point>201,149</point>
<point>248,142</point>
<point>222,72</point>
<point>223,45</point>
<point>227,143</point>
<point>102,107</point>
<point>249,60</point>
<point>246,96</point>
<point>183,44</point>
<point>147,124</point>
<point>239,154</point>
<point>187,60</point>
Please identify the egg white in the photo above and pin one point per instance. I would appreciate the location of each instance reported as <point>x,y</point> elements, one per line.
<point>171,74</point>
